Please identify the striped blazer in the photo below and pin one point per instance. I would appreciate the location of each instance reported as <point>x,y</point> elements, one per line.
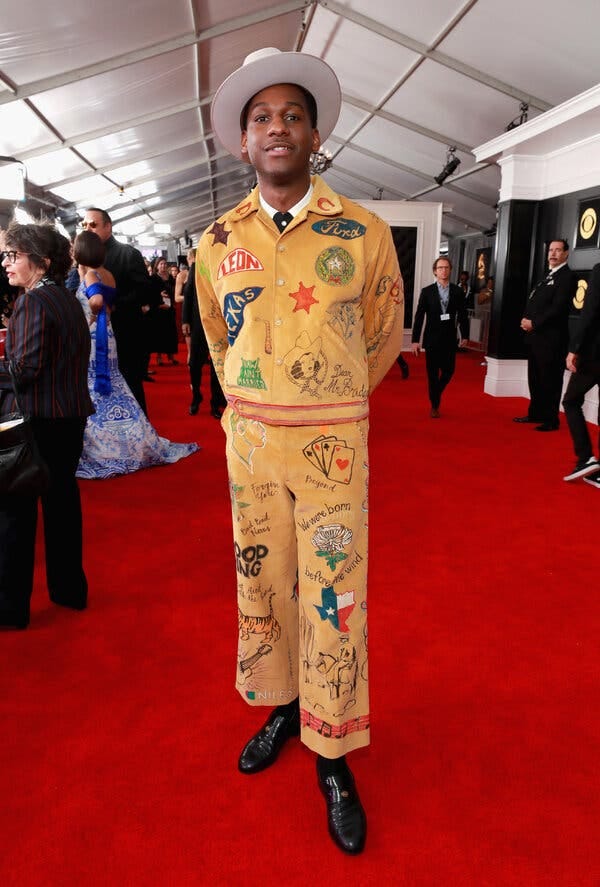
<point>48,347</point>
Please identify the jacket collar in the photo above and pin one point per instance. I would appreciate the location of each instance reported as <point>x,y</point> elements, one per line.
<point>324,202</point>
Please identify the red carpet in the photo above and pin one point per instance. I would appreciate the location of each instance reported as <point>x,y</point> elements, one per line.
<point>121,727</point>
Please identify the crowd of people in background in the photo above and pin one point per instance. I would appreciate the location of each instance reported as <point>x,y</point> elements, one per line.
<point>74,351</point>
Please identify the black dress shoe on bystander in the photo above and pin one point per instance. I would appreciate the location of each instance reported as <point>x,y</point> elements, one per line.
<point>264,747</point>
<point>547,426</point>
<point>404,369</point>
<point>525,420</point>
<point>9,619</point>
<point>195,404</point>
<point>71,603</point>
<point>346,817</point>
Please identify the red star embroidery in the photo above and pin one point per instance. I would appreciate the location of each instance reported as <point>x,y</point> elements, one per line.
<point>304,298</point>
<point>219,233</point>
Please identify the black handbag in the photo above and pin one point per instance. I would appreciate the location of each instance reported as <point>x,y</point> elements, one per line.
<point>23,471</point>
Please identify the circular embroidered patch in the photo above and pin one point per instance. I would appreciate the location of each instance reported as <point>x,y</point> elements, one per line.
<point>335,266</point>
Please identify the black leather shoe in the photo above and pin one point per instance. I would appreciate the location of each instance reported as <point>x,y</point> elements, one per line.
<point>263,749</point>
<point>404,368</point>
<point>195,404</point>
<point>525,419</point>
<point>547,426</point>
<point>216,413</point>
<point>71,603</point>
<point>346,817</point>
<point>10,619</point>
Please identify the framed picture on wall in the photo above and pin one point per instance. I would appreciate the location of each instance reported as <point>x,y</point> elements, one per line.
<point>587,235</point>
<point>405,241</point>
<point>483,263</point>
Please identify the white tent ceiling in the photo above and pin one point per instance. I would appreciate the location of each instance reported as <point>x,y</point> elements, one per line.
<point>108,104</point>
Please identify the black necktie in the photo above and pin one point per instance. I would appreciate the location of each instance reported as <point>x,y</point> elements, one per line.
<point>282,220</point>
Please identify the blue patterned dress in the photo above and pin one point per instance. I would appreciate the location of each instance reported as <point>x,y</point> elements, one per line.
<point>118,438</point>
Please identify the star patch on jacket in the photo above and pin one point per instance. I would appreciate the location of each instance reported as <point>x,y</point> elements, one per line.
<point>219,233</point>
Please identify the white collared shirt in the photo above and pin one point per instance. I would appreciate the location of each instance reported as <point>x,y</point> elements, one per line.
<point>294,210</point>
<point>553,270</point>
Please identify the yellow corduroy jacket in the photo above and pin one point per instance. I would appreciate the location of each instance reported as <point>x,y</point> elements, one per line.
<point>304,324</point>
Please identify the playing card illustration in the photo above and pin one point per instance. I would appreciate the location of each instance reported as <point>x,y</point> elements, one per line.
<point>331,457</point>
<point>312,455</point>
<point>342,461</point>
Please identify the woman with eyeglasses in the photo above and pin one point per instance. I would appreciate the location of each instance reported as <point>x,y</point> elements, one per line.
<point>47,347</point>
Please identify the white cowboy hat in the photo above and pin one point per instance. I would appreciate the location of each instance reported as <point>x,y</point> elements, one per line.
<point>267,67</point>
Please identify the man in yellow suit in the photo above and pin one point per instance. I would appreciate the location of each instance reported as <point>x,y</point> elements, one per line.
<point>301,299</point>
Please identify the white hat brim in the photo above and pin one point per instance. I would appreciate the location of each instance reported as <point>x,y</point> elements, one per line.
<point>304,70</point>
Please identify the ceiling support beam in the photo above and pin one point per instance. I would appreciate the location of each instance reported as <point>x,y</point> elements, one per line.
<point>407,124</point>
<point>184,186</point>
<point>121,126</point>
<point>376,186</point>
<point>380,158</point>
<point>421,49</point>
<point>46,84</point>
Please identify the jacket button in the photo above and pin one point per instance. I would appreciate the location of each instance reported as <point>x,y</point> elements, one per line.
<point>278,322</point>
<point>279,361</point>
<point>280,282</point>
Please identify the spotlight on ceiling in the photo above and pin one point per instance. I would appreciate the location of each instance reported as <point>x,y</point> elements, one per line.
<point>452,164</point>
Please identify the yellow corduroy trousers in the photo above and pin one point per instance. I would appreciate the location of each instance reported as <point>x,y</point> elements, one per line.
<point>300,526</point>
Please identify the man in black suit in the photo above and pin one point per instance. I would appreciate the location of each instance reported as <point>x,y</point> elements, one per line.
<point>191,326</point>
<point>583,360</point>
<point>443,304</point>
<point>546,322</point>
<point>126,264</point>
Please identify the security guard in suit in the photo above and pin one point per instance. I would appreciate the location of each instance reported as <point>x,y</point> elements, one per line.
<point>546,323</point>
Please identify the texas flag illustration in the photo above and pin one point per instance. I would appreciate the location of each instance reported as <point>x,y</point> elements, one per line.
<point>336,607</point>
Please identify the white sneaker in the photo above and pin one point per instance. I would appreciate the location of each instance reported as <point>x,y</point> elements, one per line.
<point>593,480</point>
<point>586,466</point>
